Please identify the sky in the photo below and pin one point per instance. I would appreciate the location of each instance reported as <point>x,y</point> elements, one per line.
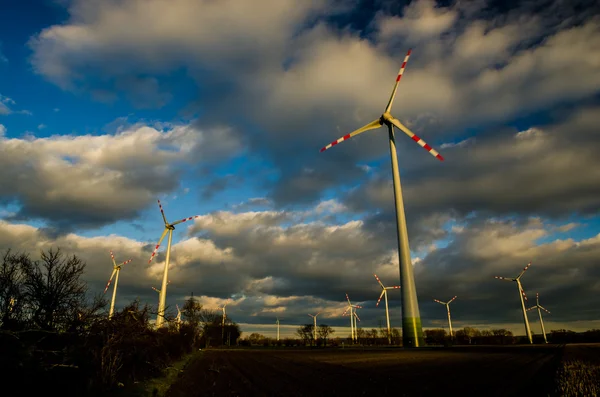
<point>219,111</point>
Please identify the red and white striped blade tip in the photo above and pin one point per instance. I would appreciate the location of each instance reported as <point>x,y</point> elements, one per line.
<point>426,146</point>
<point>332,144</point>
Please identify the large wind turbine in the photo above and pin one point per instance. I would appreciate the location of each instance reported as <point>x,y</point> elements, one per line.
<point>115,272</point>
<point>447,304</point>
<point>169,227</point>
<point>412,331</point>
<point>384,290</point>
<point>315,326</point>
<point>522,296</point>
<point>538,307</point>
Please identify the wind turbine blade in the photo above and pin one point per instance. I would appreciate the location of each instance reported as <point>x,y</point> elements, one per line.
<point>524,294</point>
<point>394,287</point>
<point>112,256</point>
<point>158,245</point>
<point>348,299</point>
<point>503,278</point>
<point>531,308</point>
<point>438,301</point>
<point>318,314</point>
<point>185,220</point>
<point>524,269</point>
<point>400,73</point>
<point>357,306</point>
<point>126,262</point>
<point>380,296</point>
<point>311,315</point>
<point>379,281</point>
<point>356,315</point>
<point>544,309</point>
<point>345,311</point>
<point>452,299</point>
<point>415,138</point>
<point>157,290</point>
<point>537,298</point>
<point>162,212</point>
<point>110,280</point>
<point>371,126</point>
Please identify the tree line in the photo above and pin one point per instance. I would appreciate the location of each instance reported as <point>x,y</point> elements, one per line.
<point>55,336</point>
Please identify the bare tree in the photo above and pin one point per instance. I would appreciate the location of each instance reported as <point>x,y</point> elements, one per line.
<point>305,333</point>
<point>54,290</point>
<point>324,331</point>
<point>12,302</point>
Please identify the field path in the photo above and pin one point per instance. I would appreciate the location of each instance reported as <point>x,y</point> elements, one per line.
<point>509,371</point>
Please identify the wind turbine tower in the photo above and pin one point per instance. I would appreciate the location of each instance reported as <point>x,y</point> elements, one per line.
<point>539,308</point>
<point>315,326</point>
<point>178,318</point>
<point>523,298</point>
<point>169,227</point>
<point>116,270</point>
<point>277,329</point>
<point>412,330</point>
<point>384,291</point>
<point>447,304</point>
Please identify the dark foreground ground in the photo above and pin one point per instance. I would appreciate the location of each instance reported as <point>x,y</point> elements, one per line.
<point>466,371</point>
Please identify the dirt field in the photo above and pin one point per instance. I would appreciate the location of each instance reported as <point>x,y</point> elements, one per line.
<point>500,371</point>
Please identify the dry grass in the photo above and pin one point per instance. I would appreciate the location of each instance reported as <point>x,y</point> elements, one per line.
<point>578,378</point>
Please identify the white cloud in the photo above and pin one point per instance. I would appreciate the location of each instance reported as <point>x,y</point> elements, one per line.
<point>97,179</point>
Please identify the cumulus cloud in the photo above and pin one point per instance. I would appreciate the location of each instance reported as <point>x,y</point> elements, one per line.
<point>312,79</point>
<point>93,180</point>
<point>564,272</point>
<point>268,269</point>
<point>549,170</point>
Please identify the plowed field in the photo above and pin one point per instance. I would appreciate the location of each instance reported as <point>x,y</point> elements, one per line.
<point>501,371</point>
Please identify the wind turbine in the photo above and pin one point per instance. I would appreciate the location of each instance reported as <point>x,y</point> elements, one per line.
<point>223,321</point>
<point>277,329</point>
<point>412,331</point>
<point>178,318</point>
<point>116,270</point>
<point>447,304</point>
<point>384,290</point>
<point>521,295</point>
<point>538,307</point>
<point>352,313</point>
<point>169,227</point>
<point>315,326</point>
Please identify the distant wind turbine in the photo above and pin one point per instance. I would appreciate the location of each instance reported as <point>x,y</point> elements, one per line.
<point>315,326</point>
<point>447,304</point>
<point>412,331</point>
<point>522,296</point>
<point>277,329</point>
<point>540,307</point>
<point>384,291</point>
<point>178,318</point>
<point>116,270</point>
<point>350,310</point>
<point>169,227</point>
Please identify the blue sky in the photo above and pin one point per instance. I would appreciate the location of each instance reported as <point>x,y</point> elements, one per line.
<point>217,112</point>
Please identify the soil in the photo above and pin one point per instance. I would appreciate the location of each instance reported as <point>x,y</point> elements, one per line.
<point>472,371</point>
